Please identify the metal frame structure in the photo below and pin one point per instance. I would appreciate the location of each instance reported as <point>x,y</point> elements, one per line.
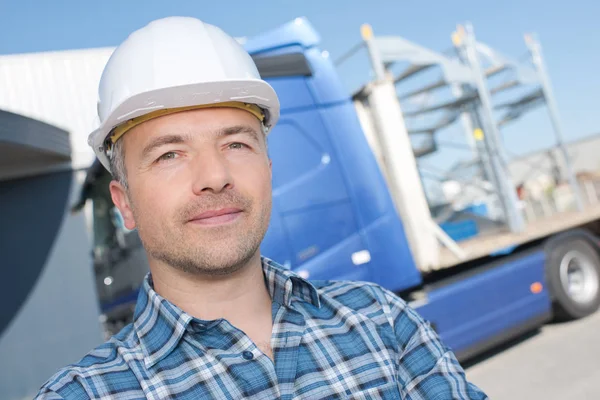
<point>472,102</point>
<point>542,93</point>
<point>471,98</point>
<point>499,164</point>
<point>535,49</point>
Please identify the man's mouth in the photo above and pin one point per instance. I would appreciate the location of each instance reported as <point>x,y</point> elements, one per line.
<point>217,217</point>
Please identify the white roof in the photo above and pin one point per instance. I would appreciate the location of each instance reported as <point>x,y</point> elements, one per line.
<point>59,88</point>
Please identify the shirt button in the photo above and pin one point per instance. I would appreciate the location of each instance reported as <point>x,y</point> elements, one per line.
<point>247,355</point>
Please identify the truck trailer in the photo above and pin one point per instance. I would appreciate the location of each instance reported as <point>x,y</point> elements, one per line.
<point>349,204</point>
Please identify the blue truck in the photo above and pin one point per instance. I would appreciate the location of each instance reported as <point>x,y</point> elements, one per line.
<point>348,204</point>
<point>340,213</point>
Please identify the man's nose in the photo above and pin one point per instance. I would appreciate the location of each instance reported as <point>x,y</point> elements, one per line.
<point>211,173</point>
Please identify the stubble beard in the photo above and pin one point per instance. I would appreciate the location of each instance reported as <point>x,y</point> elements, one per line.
<point>227,250</point>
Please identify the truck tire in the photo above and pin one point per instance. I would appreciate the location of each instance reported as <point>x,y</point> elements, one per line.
<point>573,274</point>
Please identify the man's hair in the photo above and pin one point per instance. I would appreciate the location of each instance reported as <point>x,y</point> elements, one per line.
<point>117,163</point>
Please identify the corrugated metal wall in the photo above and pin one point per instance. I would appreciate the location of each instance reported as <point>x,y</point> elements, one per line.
<point>53,316</point>
<point>59,88</point>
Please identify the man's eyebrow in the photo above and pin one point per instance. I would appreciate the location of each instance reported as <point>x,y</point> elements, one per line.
<point>161,141</point>
<point>177,139</point>
<point>232,130</point>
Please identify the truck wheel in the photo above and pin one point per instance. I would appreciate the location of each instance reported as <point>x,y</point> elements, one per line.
<point>573,272</point>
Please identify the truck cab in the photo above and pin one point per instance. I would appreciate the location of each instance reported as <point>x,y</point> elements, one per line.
<point>333,216</point>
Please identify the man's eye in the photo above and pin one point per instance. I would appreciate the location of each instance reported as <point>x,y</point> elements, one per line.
<point>237,146</point>
<point>167,156</point>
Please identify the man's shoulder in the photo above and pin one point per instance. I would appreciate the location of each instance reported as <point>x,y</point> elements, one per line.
<point>80,379</point>
<point>361,296</point>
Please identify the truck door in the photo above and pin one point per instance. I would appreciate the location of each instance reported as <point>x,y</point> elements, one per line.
<point>313,226</point>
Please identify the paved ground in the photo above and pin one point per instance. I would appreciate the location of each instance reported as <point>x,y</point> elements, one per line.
<point>561,361</point>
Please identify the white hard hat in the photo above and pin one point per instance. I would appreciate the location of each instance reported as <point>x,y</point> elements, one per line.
<point>176,64</point>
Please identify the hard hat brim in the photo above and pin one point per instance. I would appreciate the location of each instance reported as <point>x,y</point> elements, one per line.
<point>254,91</point>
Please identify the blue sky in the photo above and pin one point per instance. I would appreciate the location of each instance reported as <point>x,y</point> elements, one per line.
<point>568,30</point>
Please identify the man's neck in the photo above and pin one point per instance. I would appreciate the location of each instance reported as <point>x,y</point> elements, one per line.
<point>236,297</point>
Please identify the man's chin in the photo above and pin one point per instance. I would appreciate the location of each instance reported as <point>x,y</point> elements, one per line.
<point>218,259</point>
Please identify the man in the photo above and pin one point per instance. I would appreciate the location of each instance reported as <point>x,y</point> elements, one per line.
<point>184,118</point>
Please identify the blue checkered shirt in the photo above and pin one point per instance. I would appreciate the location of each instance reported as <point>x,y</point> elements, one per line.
<point>331,340</point>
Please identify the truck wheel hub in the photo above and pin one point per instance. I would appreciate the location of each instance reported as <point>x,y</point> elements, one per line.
<point>578,277</point>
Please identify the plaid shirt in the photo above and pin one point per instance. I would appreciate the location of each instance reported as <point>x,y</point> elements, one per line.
<point>331,340</point>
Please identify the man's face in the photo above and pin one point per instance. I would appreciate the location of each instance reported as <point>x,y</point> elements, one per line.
<point>199,188</point>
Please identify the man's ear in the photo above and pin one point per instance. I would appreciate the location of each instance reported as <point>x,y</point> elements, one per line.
<point>121,199</point>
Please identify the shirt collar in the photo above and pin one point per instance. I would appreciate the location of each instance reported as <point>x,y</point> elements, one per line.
<point>285,285</point>
<point>160,324</point>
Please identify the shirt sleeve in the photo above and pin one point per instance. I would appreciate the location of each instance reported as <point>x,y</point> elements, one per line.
<point>427,369</point>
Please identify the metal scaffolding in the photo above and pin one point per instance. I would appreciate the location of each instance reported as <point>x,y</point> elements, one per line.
<point>539,94</point>
<point>472,102</point>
